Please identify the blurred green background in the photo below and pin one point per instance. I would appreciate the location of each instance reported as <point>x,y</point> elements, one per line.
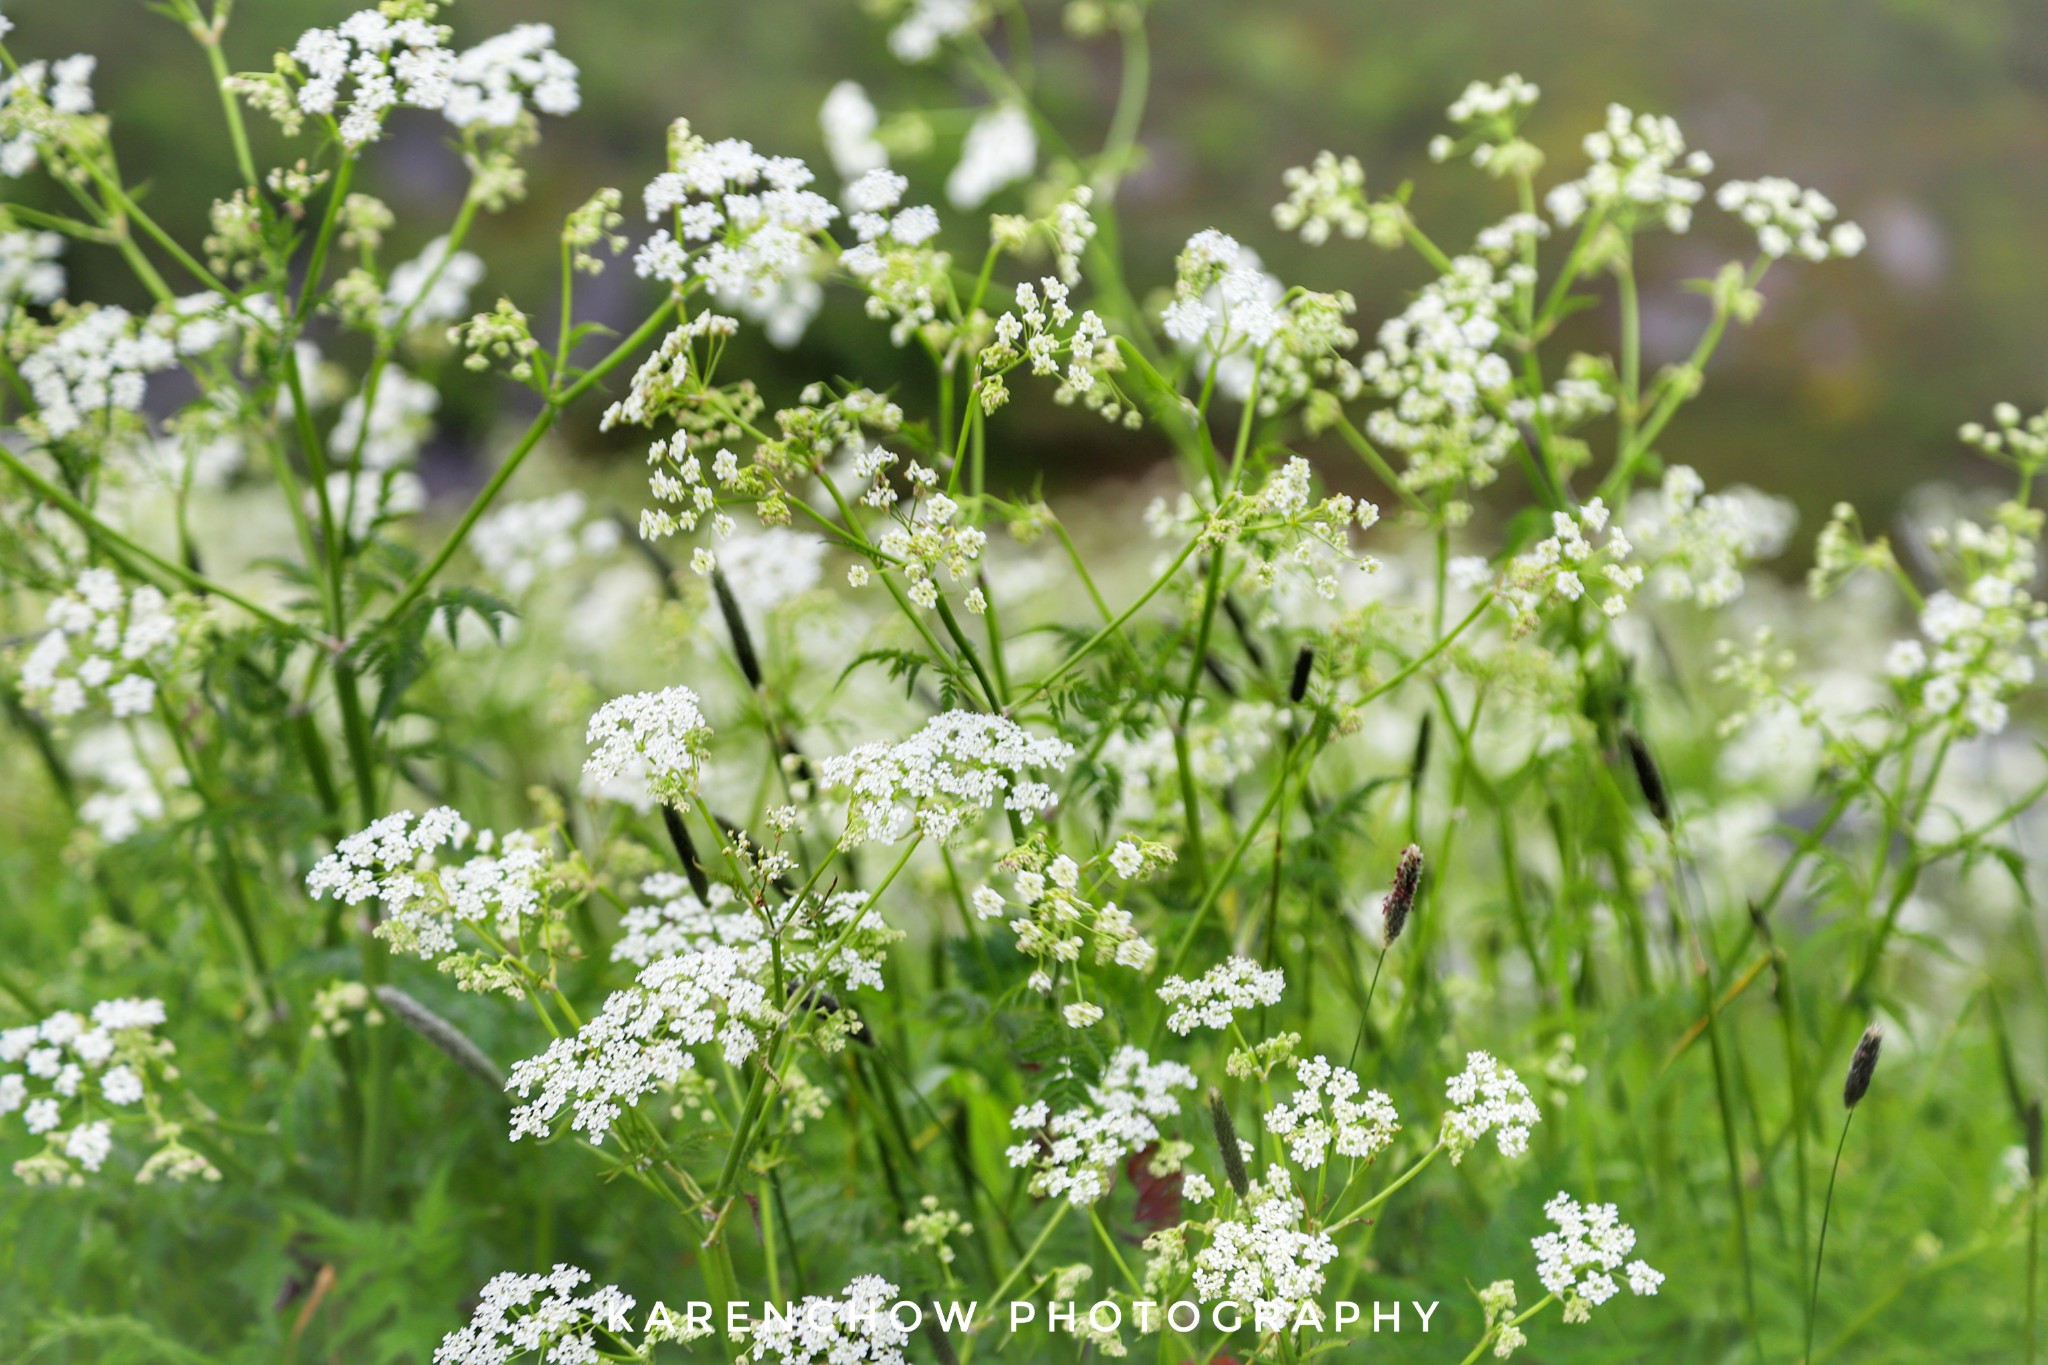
<point>1926,120</point>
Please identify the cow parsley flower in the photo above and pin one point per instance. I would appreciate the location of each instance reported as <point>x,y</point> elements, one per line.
<point>1979,640</point>
<point>1576,1261</point>
<point>1490,1098</point>
<point>104,642</point>
<point>855,1326</point>
<point>1641,171</point>
<point>1214,999</point>
<point>80,1076</point>
<point>642,1041</point>
<point>1790,220</point>
<point>848,928</point>
<point>501,890</point>
<point>1001,149</point>
<point>400,418</point>
<point>433,287</point>
<point>1072,1155</point>
<point>1325,1111</point>
<point>1568,566</point>
<point>1062,922</point>
<point>29,272</point>
<point>371,63</point>
<point>491,82</point>
<point>1264,1258</point>
<point>743,223</point>
<point>959,766</point>
<point>1697,543</point>
<point>95,366</point>
<point>44,106</point>
<point>927,24</point>
<point>661,736</point>
<point>520,543</point>
<point>768,567</point>
<point>1437,366</point>
<point>1326,197</point>
<point>517,1315</point>
<point>848,120</point>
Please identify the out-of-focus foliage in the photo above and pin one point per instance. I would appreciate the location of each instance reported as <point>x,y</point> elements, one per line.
<point>1926,119</point>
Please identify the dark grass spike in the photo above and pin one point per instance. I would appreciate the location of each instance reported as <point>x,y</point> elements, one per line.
<point>686,851</point>
<point>1648,776</point>
<point>1304,665</point>
<point>1226,1143</point>
<point>451,1040</point>
<point>736,627</point>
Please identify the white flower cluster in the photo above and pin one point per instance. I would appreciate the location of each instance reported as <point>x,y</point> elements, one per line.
<point>687,497</point>
<point>131,785</point>
<point>494,79</point>
<point>520,543</point>
<point>78,1074</point>
<point>1790,220</point>
<point>927,538</point>
<point>1283,525</point>
<point>768,567</point>
<point>1697,542</point>
<point>1489,1098</point>
<point>1980,642</point>
<point>400,418</point>
<point>1481,100</point>
<point>856,937</point>
<point>36,102</point>
<point>1038,332</point>
<point>28,269</point>
<point>1576,1261</point>
<point>1264,1258</point>
<point>1326,197</point>
<point>658,740</point>
<point>1074,1154</point>
<point>1325,1111</point>
<point>1437,365</point>
<point>370,63</point>
<point>1213,999</point>
<point>856,1326</point>
<point>1491,114</point>
<point>97,364</point>
<point>742,222</point>
<point>500,890</point>
<point>1061,923</point>
<point>960,765</point>
<point>1226,740</point>
<point>1641,170</point>
<point>848,120</point>
<point>1001,149</point>
<point>1567,566</point>
<point>518,1315</point>
<point>433,287</point>
<point>678,921</point>
<point>894,259</point>
<point>102,641</point>
<point>642,1041</point>
<point>928,23</point>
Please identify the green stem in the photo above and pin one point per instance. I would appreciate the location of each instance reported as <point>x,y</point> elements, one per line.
<point>1827,1207</point>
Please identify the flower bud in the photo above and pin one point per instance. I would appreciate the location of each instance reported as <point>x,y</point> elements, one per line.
<point>1401,899</point>
<point>1862,1066</point>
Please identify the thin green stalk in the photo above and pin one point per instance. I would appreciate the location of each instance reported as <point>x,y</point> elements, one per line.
<point>1827,1207</point>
